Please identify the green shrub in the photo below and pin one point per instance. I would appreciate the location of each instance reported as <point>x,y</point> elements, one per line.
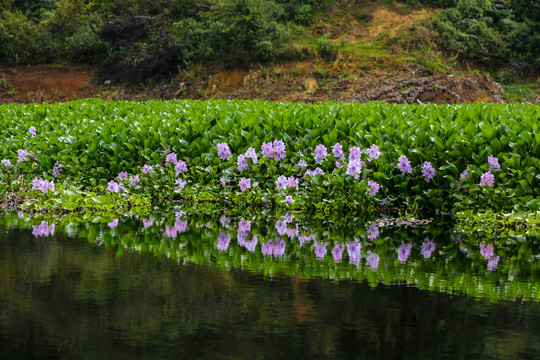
<point>326,48</point>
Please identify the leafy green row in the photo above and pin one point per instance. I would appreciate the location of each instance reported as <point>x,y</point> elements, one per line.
<point>94,140</point>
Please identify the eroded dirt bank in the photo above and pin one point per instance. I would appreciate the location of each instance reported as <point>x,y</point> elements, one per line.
<point>303,81</point>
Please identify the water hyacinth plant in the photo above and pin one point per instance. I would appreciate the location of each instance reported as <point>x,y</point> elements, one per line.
<point>453,162</point>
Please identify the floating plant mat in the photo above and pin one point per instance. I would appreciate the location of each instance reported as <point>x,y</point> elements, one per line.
<point>440,257</point>
<point>420,159</point>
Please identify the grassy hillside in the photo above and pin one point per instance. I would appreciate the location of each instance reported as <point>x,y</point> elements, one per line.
<point>286,43</point>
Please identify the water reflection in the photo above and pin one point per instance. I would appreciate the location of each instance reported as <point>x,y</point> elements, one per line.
<point>435,257</point>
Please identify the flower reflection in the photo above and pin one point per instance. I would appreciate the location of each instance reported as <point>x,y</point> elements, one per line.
<point>372,260</point>
<point>354,251</point>
<point>43,229</point>
<point>267,248</point>
<point>337,252</point>
<point>279,247</point>
<point>404,251</point>
<point>223,242</point>
<point>147,223</point>
<point>486,251</point>
<point>427,248</point>
<point>113,223</point>
<point>493,262</point>
<point>320,249</point>
<point>241,237</point>
<point>178,228</point>
<point>303,238</point>
<point>244,225</point>
<point>250,245</point>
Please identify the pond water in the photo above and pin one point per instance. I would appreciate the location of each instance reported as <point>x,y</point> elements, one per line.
<point>256,287</point>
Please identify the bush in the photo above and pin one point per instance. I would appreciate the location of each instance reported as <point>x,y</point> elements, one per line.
<point>326,48</point>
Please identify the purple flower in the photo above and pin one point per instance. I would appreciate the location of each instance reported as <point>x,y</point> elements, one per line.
<point>244,225</point>
<point>404,251</point>
<point>317,171</point>
<point>486,251</point>
<point>337,252</point>
<point>42,185</point>
<point>6,162</point>
<point>171,157</point>
<point>355,153</point>
<point>179,214</point>
<point>242,163</point>
<point>320,153</point>
<point>427,248</point>
<point>372,260</point>
<point>22,154</point>
<point>113,224</point>
<point>224,182</point>
<point>288,218</point>
<point>354,168</point>
<point>337,151</point>
<point>267,150</point>
<point>32,131</point>
<point>279,150</point>
<point>147,223</point>
<point>223,151</point>
<point>114,186</point>
<point>288,199</point>
<point>250,153</point>
<point>373,231</point>
<point>302,163</point>
<point>281,227</point>
<point>487,178</point>
<point>224,219</point>
<point>180,167</point>
<point>354,251</point>
<point>57,169</point>
<point>292,182</point>
<point>463,250</point>
<point>320,249</point>
<point>373,188</point>
<point>464,175</point>
<point>281,182</point>
<point>373,152</point>
<point>493,262</point>
<point>493,163</point>
<point>134,180</point>
<point>181,184</point>
<point>404,165</point>
<point>147,168</point>
<point>291,233</point>
<point>223,242</point>
<point>244,184</point>
<point>428,171</point>
<point>122,175</point>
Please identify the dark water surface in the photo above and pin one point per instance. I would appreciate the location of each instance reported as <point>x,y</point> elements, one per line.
<point>67,297</point>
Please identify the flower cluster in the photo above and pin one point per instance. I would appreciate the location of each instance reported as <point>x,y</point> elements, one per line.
<point>42,185</point>
<point>274,150</point>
